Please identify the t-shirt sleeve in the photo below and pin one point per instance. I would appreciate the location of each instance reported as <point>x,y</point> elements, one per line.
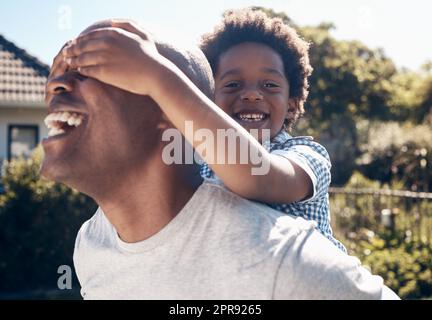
<point>314,159</point>
<point>79,264</point>
<point>313,268</point>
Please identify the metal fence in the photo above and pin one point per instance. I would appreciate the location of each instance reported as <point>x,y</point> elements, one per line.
<point>374,210</point>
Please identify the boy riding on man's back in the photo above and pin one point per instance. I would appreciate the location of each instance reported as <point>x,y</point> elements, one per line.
<point>261,68</point>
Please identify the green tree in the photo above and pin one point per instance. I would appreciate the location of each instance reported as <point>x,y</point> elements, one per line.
<point>39,220</point>
<point>351,84</point>
<point>398,152</point>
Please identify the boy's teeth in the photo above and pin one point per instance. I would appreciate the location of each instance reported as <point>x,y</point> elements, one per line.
<point>251,116</point>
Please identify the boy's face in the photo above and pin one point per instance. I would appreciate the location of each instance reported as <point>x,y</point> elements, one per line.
<point>250,85</point>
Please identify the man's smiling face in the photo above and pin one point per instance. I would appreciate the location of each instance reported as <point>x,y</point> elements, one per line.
<point>95,129</point>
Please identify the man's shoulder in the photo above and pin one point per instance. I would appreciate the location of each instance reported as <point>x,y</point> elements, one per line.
<point>95,230</point>
<point>252,236</point>
<point>253,218</point>
<point>93,222</point>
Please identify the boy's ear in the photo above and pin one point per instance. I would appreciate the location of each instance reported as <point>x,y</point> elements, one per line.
<point>293,108</point>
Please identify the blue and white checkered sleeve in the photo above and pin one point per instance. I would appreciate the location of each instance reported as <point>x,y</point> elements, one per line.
<point>314,159</point>
<point>205,171</point>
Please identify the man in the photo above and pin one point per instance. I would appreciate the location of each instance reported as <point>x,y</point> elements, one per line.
<point>159,234</point>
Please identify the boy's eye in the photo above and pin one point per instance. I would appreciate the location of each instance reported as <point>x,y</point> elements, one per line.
<point>232,84</point>
<point>271,85</point>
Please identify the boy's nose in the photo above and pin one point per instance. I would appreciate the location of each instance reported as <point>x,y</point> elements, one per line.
<point>251,94</point>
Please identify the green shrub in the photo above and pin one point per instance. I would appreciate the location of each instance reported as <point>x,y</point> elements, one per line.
<point>392,151</point>
<point>406,266</point>
<point>402,255</point>
<point>39,220</point>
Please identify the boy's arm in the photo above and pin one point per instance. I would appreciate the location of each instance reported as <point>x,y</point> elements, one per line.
<point>281,180</point>
<point>131,62</point>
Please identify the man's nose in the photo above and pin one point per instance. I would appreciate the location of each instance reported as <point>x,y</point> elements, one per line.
<point>60,84</point>
<point>251,94</point>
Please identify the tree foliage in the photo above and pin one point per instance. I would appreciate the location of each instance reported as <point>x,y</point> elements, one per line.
<point>39,220</point>
<point>351,84</point>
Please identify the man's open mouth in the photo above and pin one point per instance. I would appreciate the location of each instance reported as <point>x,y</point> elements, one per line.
<point>62,122</point>
<point>248,116</point>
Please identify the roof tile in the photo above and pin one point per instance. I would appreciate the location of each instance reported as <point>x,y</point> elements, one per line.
<point>22,76</point>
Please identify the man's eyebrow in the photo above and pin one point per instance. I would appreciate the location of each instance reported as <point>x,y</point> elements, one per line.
<point>274,71</point>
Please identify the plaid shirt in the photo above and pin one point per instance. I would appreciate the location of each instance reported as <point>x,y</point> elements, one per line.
<point>314,159</point>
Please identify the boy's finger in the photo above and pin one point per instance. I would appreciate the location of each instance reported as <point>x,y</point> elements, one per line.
<point>86,59</point>
<point>57,70</point>
<point>98,33</point>
<point>131,27</point>
<point>86,45</point>
<point>101,38</point>
<point>91,71</point>
<point>58,66</point>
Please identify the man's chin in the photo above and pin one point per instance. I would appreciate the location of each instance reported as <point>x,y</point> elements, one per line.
<point>57,170</point>
<point>51,173</point>
<point>63,175</point>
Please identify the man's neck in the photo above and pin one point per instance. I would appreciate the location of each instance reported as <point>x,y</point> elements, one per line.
<point>142,203</point>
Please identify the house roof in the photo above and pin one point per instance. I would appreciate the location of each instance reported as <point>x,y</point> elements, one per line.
<point>22,76</point>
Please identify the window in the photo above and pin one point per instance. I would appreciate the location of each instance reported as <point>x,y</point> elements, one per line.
<point>22,139</point>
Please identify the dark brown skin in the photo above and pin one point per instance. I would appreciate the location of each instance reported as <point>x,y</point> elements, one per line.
<point>122,58</point>
<point>251,76</point>
<point>115,155</point>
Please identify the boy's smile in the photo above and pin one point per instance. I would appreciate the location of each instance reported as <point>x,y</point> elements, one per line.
<point>251,86</point>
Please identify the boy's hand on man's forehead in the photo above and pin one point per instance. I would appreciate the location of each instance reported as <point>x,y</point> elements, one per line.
<point>118,53</point>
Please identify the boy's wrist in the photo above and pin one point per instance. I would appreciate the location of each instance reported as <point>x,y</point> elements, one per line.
<point>160,78</point>
<point>151,77</point>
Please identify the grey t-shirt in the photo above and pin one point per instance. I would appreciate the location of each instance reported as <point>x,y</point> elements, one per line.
<point>220,246</point>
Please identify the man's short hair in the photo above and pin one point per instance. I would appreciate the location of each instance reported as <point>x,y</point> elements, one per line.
<point>249,25</point>
<point>192,62</point>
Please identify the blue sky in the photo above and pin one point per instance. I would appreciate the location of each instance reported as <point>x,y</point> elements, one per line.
<point>402,28</point>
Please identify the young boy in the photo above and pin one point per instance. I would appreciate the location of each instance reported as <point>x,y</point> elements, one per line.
<point>261,68</point>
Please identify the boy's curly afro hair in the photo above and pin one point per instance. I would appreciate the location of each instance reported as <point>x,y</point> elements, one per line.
<point>249,25</point>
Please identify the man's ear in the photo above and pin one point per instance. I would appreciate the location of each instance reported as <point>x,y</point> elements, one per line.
<point>164,123</point>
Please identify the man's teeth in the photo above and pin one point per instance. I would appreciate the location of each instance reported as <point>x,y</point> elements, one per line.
<point>55,132</point>
<point>57,120</point>
<point>251,116</point>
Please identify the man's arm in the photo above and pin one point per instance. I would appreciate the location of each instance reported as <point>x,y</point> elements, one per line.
<point>123,59</point>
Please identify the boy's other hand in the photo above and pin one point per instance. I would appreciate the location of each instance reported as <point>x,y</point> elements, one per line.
<point>122,55</point>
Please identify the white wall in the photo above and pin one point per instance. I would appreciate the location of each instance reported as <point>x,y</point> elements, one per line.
<point>23,116</point>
